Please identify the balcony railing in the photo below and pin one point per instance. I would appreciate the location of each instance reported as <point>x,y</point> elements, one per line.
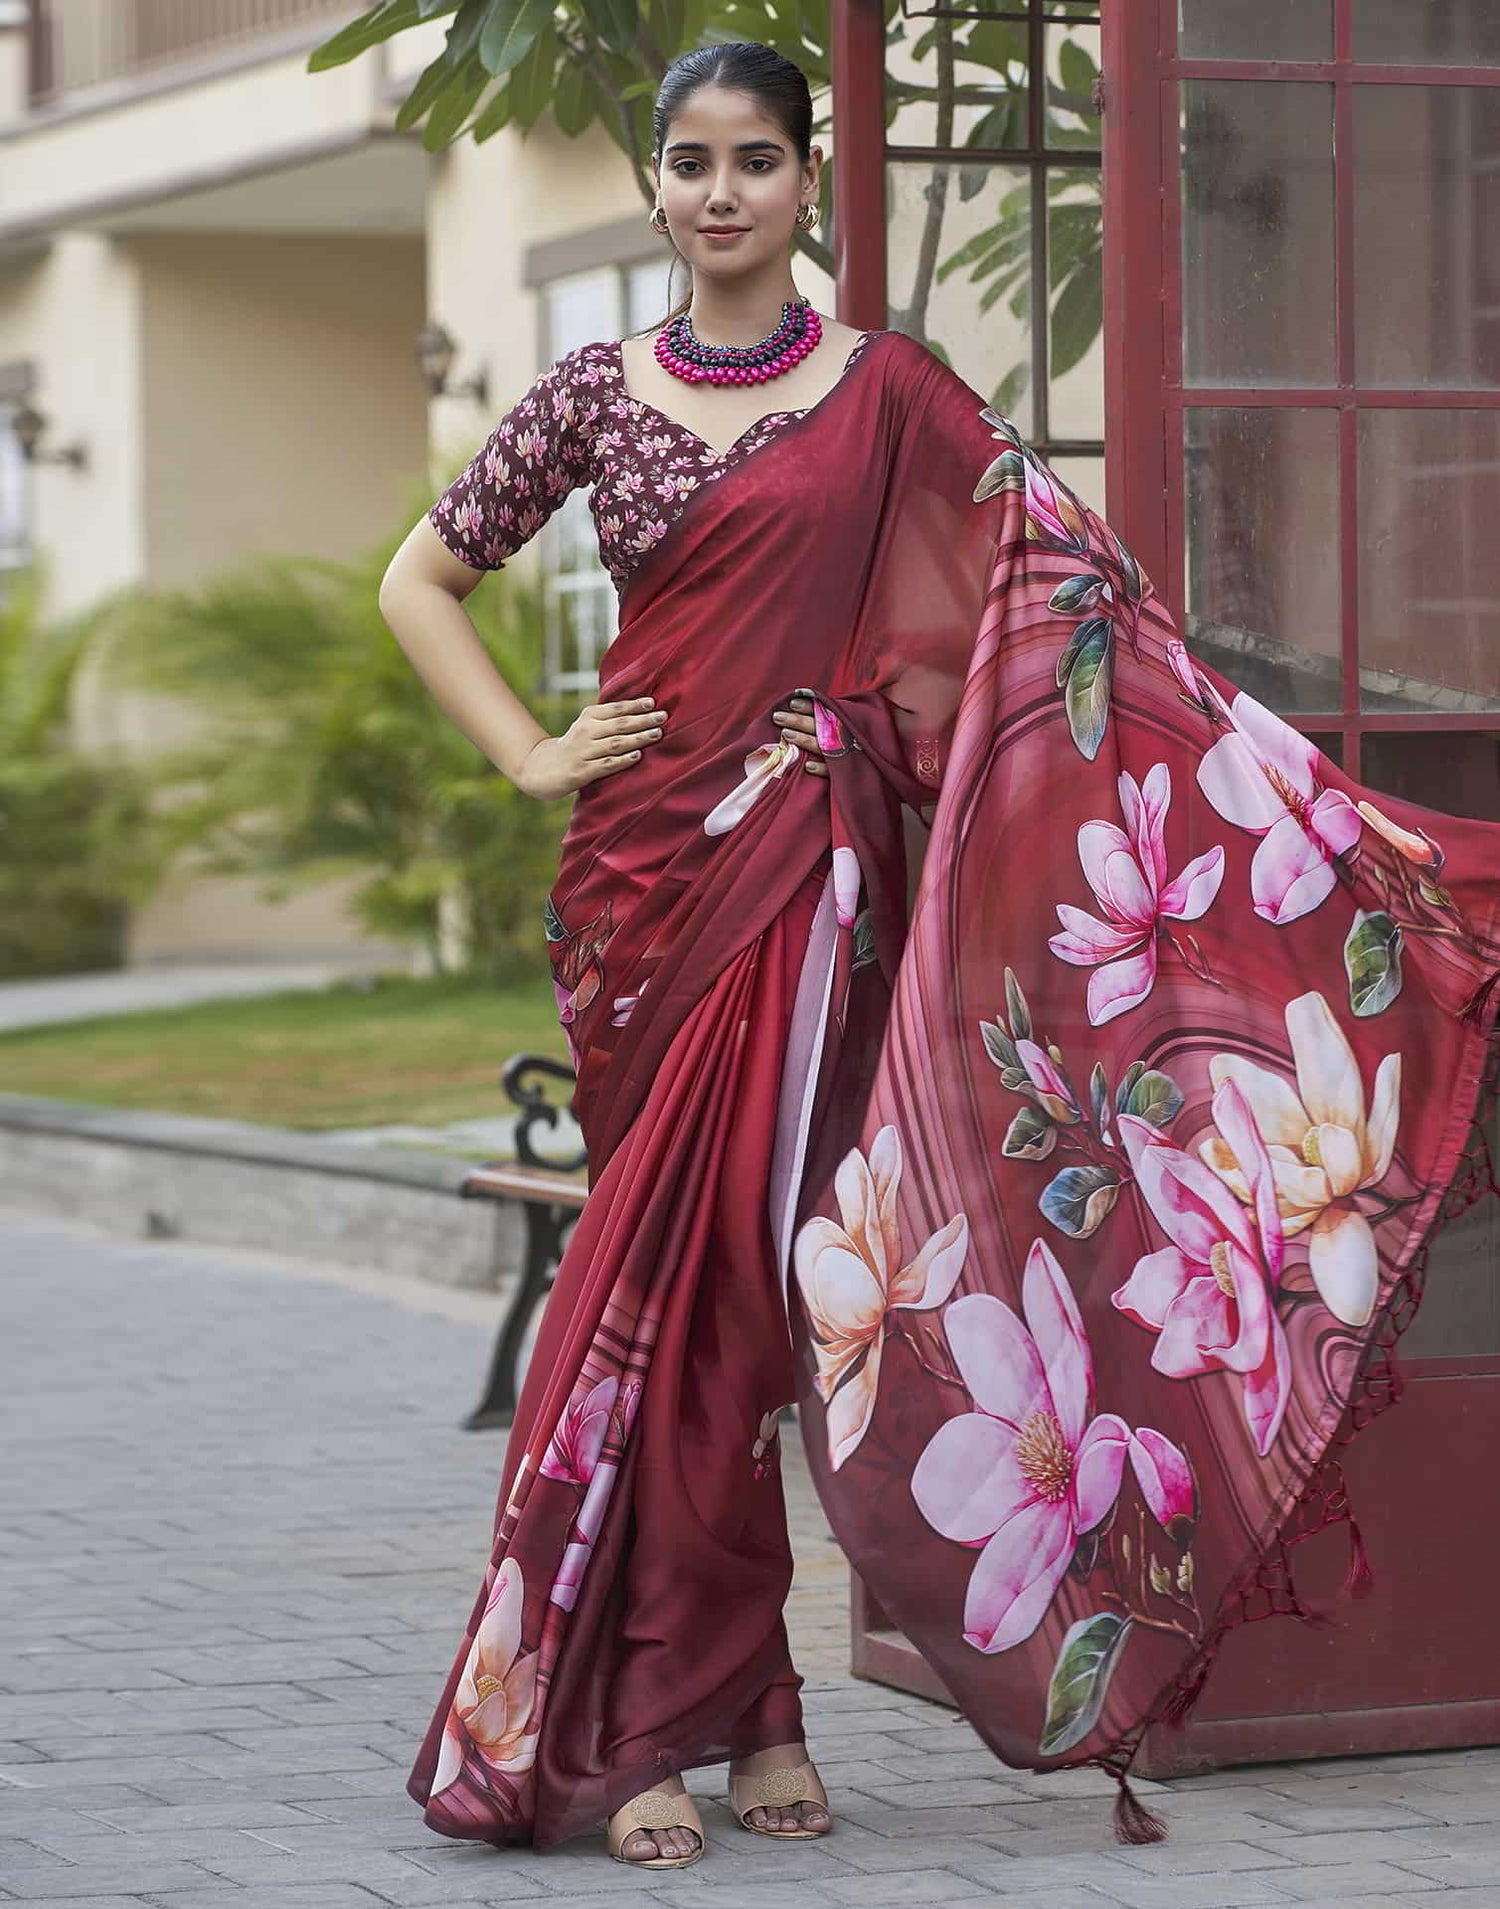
<point>77,45</point>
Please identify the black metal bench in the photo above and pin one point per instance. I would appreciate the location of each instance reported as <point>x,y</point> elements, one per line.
<point>551,1194</point>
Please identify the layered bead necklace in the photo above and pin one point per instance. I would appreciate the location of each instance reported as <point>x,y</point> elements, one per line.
<point>687,357</point>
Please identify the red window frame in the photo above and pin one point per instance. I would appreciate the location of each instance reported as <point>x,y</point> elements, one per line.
<point>1146,399</point>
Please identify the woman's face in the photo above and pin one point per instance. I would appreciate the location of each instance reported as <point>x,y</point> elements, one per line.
<point>723,163</point>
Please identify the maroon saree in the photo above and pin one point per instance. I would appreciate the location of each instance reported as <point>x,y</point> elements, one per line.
<point>1075,1183</point>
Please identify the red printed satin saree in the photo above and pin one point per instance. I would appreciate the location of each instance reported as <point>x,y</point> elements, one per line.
<point>1075,1184</point>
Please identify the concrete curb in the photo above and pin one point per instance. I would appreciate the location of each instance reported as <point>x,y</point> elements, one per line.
<point>232,1183</point>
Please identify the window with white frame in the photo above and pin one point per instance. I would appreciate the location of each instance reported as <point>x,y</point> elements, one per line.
<point>578,595</point>
<point>15,473</point>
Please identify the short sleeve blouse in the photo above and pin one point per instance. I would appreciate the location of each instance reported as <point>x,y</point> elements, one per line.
<point>576,426</point>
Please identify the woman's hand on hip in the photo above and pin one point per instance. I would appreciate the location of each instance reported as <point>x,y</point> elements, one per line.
<point>797,726</point>
<point>601,740</point>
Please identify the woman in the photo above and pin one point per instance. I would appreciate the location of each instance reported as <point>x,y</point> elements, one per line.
<point>1076,1201</point>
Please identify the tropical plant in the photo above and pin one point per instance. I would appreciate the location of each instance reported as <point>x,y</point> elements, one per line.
<point>74,847</point>
<point>321,755</point>
<point>599,62</point>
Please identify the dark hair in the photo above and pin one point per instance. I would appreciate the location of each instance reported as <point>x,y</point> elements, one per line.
<point>777,84</point>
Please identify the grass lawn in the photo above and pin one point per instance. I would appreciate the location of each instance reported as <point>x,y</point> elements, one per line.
<point>347,1056</point>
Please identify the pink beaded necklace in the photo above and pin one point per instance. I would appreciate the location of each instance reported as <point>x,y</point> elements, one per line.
<point>679,351</point>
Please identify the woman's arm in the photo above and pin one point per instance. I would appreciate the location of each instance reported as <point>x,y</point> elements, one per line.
<point>422,600</point>
<point>534,456</point>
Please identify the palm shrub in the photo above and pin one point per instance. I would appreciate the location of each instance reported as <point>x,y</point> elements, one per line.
<point>321,754</point>
<point>76,849</point>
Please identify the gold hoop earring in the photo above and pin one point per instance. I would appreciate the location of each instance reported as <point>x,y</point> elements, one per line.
<point>658,219</point>
<point>810,219</point>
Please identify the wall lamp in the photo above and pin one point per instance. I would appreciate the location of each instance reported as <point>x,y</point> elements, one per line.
<point>28,425</point>
<point>435,354</point>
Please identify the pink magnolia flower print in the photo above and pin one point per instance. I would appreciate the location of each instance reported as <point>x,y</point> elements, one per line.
<point>1127,870</point>
<point>574,1450</point>
<point>1414,846</point>
<point>493,1705</point>
<point>1167,1484</point>
<point>1209,1295</point>
<point>846,880</point>
<point>762,767</point>
<point>852,1275</point>
<point>1031,1469</point>
<point>1262,776</point>
<point>573,1457</point>
<point>1325,1146</point>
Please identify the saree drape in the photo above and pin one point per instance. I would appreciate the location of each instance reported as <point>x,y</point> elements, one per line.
<point>1074,1175</point>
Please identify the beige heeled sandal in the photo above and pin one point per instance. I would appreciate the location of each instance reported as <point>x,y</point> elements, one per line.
<point>777,1789</point>
<point>654,1809</point>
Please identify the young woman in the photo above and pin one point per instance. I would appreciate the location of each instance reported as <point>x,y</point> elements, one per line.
<point>989,1030</point>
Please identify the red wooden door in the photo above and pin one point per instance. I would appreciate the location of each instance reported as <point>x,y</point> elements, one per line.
<point>1302,356</point>
<point>1302,244</point>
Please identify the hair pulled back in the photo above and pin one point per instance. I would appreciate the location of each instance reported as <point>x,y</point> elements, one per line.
<point>777,85</point>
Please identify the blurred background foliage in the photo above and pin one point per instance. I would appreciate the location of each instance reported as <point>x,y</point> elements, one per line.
<point>317,753</point>
<point>967,79</point>
<point>75,850</point>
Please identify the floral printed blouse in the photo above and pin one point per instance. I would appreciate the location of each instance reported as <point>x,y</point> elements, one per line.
<point>578,425</point>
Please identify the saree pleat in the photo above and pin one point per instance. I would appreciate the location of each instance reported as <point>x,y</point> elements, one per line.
<point>667,1297</point>
<point>1075,1177</point>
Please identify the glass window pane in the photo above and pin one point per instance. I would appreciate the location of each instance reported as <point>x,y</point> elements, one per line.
<point>581,307</point>
<point>1455,774</point>
<point>1429,501</point>
<point>958,246</point>
<point>1256,29</point>
<point>1427,235</point>
<point>981,99</point>
<point>1072,69</point>
<point>1427,32</point>
<point>1257,232</point>
<point>648,291</point>
<point>1075,241</point>
<point>1262,522</point>
<point>15,539</point>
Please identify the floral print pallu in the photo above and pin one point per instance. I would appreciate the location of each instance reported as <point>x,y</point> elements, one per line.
<point>1058,1101</point>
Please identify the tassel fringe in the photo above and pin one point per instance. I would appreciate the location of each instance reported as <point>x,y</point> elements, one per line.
<point>1361,1577</point>
<point>1134,1823</point>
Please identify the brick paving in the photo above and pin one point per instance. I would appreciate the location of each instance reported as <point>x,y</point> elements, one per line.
<point>240,1531</point>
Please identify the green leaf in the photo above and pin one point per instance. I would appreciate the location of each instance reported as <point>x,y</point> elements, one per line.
<point>380,23</point>
<point>1075,67</point>
<point>1080,1199</point>
<point>1080,1680</point>
<point>1099,1095</point>
<point>1091,669</point>
<point>1372,960</point>
<point>1016,1009</point>
<point>552,922</point>
<point>1122,1093</point>
<point>1153,1096</point>
<point>453,105</point>
<point>433,81</point>
<point>1077,596</point>
<point>615,22</point>
<point>1030,1136</point>
<point>1007,473</point>
<point>509,32</point>
<point>1078,315</point>
<point>998,1045</point>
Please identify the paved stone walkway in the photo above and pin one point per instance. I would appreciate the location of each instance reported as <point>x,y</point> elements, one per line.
<point>240,1533</point>
<point>79,997</point>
